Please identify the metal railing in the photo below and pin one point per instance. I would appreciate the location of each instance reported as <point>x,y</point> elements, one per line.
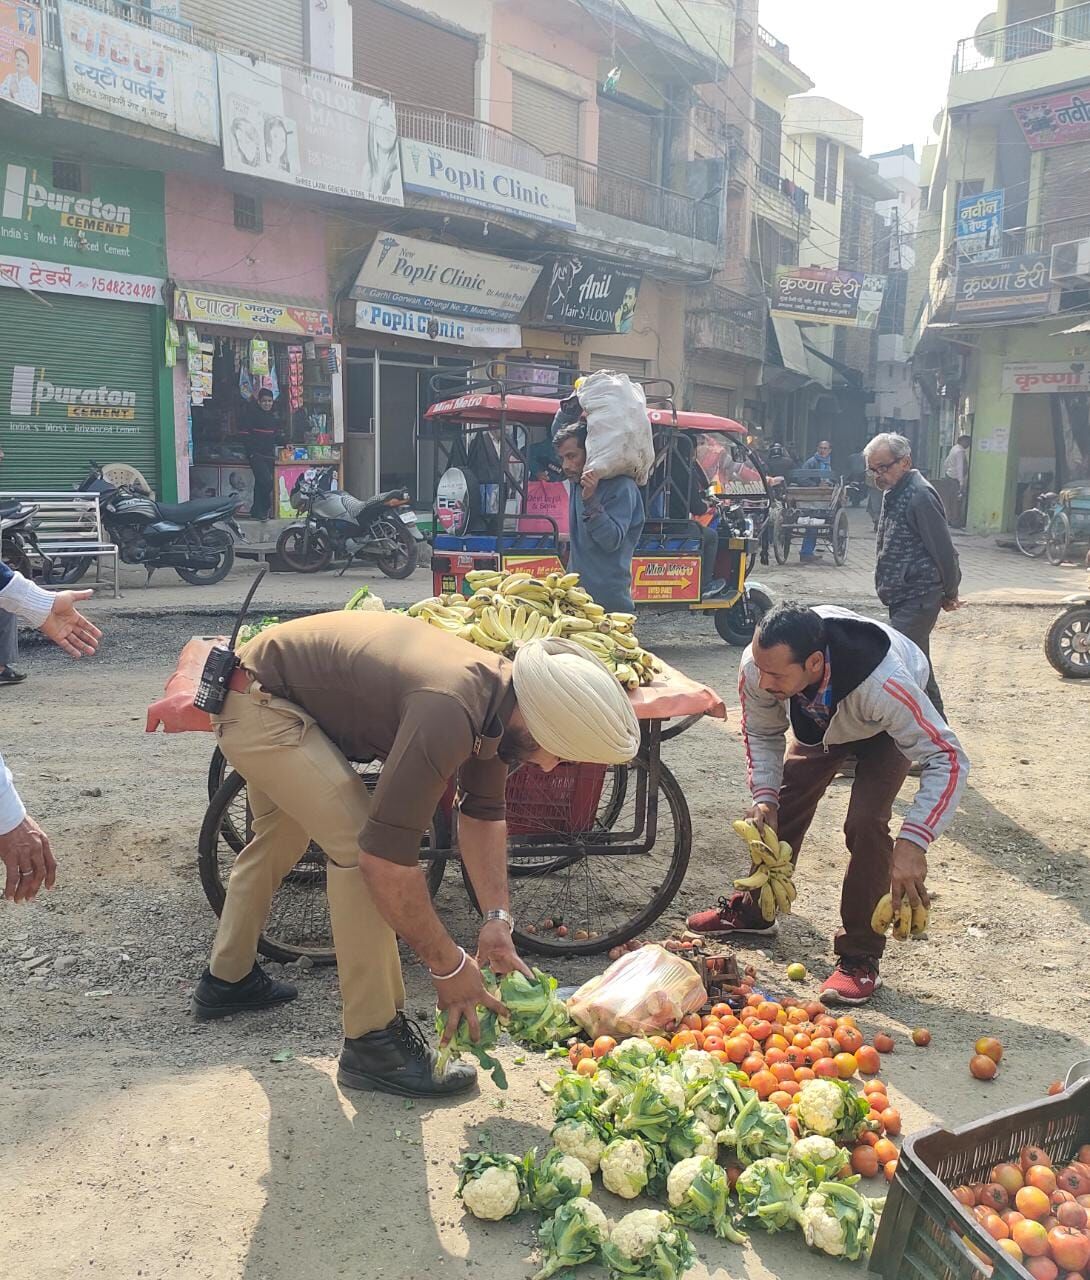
<point>773,45</point>
<point>773,184</point>
<point>1038,237</point>
<point>634,200</point>
<point>469,136</point>
<point>1067,27</point>
<point>176,28</point>
<point>721,319</point>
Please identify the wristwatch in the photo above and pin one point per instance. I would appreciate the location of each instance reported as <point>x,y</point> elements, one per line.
<point>498,913</point>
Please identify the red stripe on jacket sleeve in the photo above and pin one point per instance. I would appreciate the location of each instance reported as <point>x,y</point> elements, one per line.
<point>902,695</point>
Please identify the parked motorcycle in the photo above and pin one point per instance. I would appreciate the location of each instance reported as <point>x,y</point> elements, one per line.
<point>19,548</point>
<point>196,539</point>
<point>337,526</point>
<point>1067,644</point>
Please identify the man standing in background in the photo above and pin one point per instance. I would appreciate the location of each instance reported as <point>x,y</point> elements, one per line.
<point>822,460</point>
<point>260,430</point>
<point>955,476</point>
<point>916,572</point>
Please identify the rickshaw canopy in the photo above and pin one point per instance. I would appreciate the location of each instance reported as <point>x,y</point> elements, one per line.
<point>491,407</point>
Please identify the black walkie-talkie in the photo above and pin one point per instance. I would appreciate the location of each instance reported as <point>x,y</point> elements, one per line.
<point>222,660</point>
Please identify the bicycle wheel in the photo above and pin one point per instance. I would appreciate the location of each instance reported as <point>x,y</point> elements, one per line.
<point>1058,539</point>
<point>610,899</point>
<point>1030,531</point>
<point>840,537</point>
<point>781,539</point>
<point>298,923</point>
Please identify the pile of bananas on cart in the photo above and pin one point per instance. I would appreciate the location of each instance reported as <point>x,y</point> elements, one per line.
<point>507,610</point>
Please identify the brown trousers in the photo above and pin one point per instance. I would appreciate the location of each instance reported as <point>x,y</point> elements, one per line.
<point>879,772</point>
<point>301,788</point>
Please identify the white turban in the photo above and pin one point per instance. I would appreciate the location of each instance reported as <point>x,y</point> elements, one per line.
<point>573,705</point>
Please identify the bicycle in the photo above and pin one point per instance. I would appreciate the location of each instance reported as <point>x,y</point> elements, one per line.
<point>1031,527</point>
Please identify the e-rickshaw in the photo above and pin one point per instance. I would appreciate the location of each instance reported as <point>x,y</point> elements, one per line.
<point>496,506</point>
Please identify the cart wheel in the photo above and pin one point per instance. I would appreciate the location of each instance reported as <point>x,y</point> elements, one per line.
<point>781,539</point>
<point>298,923</point>
<point>839,537</point>
<point>1067,644</point>
<point>737,624</point>
<point>612,898</point>
<point>1059,538</point>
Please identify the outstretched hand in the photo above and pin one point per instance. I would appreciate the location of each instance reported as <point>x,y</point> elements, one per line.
<point>68,628</point>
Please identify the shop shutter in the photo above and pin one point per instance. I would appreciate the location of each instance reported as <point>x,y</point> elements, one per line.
<point>417,62</point>
<point>717,400</point>
<point>272,27</point>
<point>544,116</point>
<point>627,141</point>
<point>620,364</point>
<point>74,342</point>
<point>1065,194</point>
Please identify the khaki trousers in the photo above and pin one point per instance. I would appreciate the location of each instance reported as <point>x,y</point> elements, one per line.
<point>301,788</point>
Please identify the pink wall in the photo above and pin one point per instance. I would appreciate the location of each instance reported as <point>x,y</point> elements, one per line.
<point>287,258</point>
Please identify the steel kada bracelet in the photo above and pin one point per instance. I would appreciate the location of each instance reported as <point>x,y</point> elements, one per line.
<point>446,977</point>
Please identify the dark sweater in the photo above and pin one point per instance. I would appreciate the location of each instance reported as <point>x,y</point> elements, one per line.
<point>604,531</point>
<point>916,558</point>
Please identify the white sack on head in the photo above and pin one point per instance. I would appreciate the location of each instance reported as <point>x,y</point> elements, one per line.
<point>573,705</point>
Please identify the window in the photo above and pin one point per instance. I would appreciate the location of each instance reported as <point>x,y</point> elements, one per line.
<point>825,170</point>
<point>67,175</point>
<point>248,213</point>
<point>770,143</point>
<point>970,187</point>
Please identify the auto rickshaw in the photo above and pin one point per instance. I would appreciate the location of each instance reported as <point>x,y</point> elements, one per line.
<point>499,505</point>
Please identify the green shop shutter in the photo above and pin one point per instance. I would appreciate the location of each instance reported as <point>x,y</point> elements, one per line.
<point>77,381</point>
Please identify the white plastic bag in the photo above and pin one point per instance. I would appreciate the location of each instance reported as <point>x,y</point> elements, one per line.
<point>645,992</point>
<point>619,441</point>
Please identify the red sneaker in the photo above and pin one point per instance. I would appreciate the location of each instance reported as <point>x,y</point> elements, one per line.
<point>853,981</point>
<point>736,914</point>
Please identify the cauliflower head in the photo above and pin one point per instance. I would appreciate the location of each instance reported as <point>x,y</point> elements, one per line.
<point>494,1194</point>
<point>696,1065</point>
<point>557,1179</point>
<point>624,1168</point>
<point>713,1121</point>
<point>579,1139</point>
<point>822,1229</point>
<point>681,1177</point>
<point>672,1090</point>
<point>820,1104</point>
<point>638,1232</point>
<point>816,1148</point>
<point>593,1215</point>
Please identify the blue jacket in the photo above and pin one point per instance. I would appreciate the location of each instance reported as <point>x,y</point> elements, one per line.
<point>604,532</point>
<point>817,463</point>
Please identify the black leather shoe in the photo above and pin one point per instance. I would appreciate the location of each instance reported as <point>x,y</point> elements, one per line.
<point>215,998</point>
<point>399,1060</point>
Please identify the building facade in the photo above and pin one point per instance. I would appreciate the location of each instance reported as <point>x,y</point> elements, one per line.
<point>1000,292</point>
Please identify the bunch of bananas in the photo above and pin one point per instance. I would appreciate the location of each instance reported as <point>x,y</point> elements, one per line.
<point>507,610</point>
<point>771,878</point>
<point>909,922</point>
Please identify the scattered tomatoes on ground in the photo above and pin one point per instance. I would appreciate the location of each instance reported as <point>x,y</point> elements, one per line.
<point>921,1037</point>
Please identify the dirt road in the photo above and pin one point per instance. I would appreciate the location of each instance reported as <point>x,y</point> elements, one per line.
<point>139,1144</point>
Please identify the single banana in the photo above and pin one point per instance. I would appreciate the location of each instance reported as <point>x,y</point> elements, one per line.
<point>771,841</point>
<point>484,640</point>
<point>746,829</point>
<point>792,892</point>
<point>757,880</point>
<point>882,916</point>
<point>920,918</point>
<point>768,903</point>
<point>902,928</point>
<point>514,583</point>
<point>783,901</point>
<point>623,619</point>
<point>568,581</point>
<point>552,581</point>
<point>622,641</point>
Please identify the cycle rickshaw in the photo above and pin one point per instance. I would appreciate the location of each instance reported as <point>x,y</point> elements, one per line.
<point>811,504</point>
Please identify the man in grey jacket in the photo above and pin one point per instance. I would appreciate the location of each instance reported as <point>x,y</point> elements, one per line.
<point>916,573</point>
<point>847,687</point>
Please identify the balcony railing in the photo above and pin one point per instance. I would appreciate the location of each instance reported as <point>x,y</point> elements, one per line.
<point>621,196</point>
<point>723,320</point>
<point>1068,27</point>
<point>176,28</point>
<point>1043,235</point>
<point>769,41</point>
<point>787,198</point>
<point>469,136</point>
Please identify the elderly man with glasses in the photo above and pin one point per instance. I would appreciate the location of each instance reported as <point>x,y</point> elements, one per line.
<point>916,572</point>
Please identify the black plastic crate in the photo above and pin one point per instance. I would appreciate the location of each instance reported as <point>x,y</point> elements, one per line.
<point>923,1229</point>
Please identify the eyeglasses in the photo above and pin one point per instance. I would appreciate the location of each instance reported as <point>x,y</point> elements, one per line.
<point>883,467</point>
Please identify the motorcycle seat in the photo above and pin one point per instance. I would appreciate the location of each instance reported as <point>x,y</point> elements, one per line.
<point>183,512</point>
<point>387,495</point>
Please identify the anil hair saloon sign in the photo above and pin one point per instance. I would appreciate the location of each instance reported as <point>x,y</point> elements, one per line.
<point>445,279</point>
<point>438,171</point>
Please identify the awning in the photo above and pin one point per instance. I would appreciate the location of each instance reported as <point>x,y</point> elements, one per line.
<point>1083,327</point>
<point>789,338</point>
<point>853,377</point>
<point>244,308</point>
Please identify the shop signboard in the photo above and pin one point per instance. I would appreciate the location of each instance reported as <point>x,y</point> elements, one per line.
<point>657,578</point>
<point>1008,289</point>
<point>308,129</point>
<point>140,74</point>
<point>444,278</point>
<point>1039,377</point>
<point>21,55</point>
<point>115,225</point>
<point>535,566</point>
<point>87,282</point>
<point>438,171</point>
<point>546,498</point>
<point>404,323</point>
<point>828,295</point>
<point>980,227</point>
<point>1055,121</point>
<point>590,293</point>
<point>203,306</point>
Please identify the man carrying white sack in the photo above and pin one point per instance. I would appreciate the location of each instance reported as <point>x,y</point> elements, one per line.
<point>313,694</point>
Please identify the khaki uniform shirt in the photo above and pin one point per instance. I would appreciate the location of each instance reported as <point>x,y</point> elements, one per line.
<point>391,688</point>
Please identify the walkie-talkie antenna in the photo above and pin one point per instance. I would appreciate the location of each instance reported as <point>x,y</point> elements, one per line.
<point>246,605</point>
